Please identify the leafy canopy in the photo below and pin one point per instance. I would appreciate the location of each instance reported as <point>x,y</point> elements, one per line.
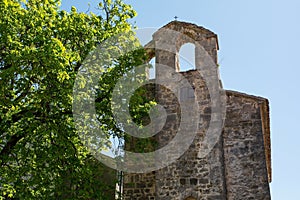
<point>41,51</point>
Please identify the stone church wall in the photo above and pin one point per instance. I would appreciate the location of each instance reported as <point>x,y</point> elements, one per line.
<point>238,165</point>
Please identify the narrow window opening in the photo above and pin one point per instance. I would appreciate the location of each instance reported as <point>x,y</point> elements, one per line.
<point>152,68</point>
<point>187,57</point>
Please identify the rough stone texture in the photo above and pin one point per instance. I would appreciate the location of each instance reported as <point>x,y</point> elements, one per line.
<point>245,158</point>
<point>139,186</point>
<point>202,178</point>
<point>239,165</point>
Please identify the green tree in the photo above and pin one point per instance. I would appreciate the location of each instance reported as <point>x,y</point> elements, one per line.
<point>41,51</point>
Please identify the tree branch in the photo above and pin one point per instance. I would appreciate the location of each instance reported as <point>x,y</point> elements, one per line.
<point>106,10</point>
<point>10,145</point>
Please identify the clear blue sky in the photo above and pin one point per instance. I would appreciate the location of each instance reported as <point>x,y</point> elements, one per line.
<point>259,52</point>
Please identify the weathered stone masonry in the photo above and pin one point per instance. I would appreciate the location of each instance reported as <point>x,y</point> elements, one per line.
<point>239,165</point>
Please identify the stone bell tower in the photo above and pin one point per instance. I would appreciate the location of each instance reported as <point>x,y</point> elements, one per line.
<point>229,154</point>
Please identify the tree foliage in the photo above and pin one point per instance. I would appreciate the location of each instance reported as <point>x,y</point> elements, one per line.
<point>41,51</point>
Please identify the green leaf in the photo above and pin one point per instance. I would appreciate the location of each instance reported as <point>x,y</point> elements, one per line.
<point>42,49</point>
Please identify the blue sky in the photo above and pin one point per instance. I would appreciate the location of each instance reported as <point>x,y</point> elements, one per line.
<point>259,50</point>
